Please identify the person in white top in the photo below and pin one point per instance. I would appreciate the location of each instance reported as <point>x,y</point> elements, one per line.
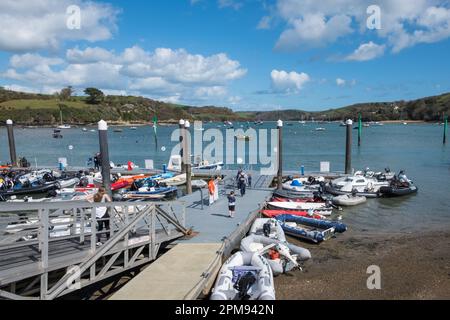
<point>101,213</point>
<point>216,189</point>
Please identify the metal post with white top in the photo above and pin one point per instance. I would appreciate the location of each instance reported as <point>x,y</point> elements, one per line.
<point>187,148</point>
<point>12,144</point>
<point>348,147</point>
<point>104,153</point>
<point>181,124</point>
<point>280,154</point>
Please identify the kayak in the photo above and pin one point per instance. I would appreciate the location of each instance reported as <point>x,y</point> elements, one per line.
<point>322,224</point>
<point>348,200</point>
<point>244,276</point>
<point>157,193</point>
<point>274,213</point>
<point>131,179</point>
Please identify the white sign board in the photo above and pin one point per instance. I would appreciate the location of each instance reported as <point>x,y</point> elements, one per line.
<point>325,166</point>
<point>149,164</point>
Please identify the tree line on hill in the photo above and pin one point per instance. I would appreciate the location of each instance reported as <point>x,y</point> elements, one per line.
<point>141,109</point>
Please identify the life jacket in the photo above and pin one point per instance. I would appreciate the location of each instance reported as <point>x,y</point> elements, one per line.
<point>274,254</point>
<point>211,187</point>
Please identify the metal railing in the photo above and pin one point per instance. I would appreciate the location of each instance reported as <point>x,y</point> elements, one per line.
<point>65,248</point>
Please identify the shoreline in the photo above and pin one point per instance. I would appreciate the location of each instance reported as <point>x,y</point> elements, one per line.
<point>413,266</point>
<point>175,122</point>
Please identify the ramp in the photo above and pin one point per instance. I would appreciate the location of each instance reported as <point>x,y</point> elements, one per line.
<point>173,275</point>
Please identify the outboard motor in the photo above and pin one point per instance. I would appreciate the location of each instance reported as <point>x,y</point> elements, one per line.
<point>266,229</point>
<point>243,285</point>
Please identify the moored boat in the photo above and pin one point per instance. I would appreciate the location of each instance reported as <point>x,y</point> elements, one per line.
<point>244,276</point>
<point>398,191</point>
<point>274,213</point>
<point>316,223</point>
<point>348,200</point>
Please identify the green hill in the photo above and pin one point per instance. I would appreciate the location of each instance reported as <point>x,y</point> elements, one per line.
<point>40,109</point>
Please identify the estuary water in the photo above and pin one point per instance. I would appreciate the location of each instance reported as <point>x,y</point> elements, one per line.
<point>415,148</point>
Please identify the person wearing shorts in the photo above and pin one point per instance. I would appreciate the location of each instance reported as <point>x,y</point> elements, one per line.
<point>231,204</point>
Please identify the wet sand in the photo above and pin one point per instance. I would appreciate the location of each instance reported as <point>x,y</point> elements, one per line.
<point>413,266</point>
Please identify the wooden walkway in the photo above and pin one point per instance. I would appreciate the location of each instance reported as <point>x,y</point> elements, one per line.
<point>196,261</point>
<point>173,275</point>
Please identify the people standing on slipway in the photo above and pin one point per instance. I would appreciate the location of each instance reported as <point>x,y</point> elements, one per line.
<point>212,190</point>
<point>216,189</point>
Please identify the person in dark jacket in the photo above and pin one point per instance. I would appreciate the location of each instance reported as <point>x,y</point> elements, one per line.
<point>231,204</point>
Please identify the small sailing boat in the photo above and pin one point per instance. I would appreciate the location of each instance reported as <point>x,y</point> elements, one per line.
<point>63,126</point>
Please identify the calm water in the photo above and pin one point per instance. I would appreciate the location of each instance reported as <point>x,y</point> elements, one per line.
<point>416,148</point>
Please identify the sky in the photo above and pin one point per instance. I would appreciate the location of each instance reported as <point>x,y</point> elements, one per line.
<point>243,54</point>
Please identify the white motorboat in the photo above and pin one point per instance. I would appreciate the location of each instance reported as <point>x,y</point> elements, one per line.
<point>304,184</point>
<point>358,185</point>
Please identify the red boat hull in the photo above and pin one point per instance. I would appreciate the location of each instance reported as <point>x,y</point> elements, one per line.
<point>274,213</point>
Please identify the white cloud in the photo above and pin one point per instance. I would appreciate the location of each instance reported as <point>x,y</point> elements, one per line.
<point>89,55</point>
<point>405,23</point>
<point>367,51</point>
<point>179,66</point>
<point>162,73</point>
<point>343,83</point>
<point>42,24</point>
<point>340,82</point>
<point>234,100</point>
<point>29,60</point>
<point>314,30</point>
<point>234,4</point>
<point>288,82</point>
<point>264,23</point>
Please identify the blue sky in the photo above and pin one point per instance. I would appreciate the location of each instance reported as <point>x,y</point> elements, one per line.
<point>247,55</point>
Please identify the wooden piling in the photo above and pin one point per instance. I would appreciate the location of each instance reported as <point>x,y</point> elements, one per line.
<point>348,147</point>
<point>444,140</point>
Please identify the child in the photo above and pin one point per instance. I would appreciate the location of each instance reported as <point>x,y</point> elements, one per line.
<point>231,204</point>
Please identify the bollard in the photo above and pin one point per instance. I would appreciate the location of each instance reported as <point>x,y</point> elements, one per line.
<point>280,155</point>
<point>348,147</point>
<point>359,129</point>
<point>104,153</point>
<point>12,143</point>
<point>181,125</point>
<point>445,129</point>
<point>187,148</point>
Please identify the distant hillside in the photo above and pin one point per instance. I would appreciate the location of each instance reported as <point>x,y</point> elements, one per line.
<point>40,109</point>
<point>425,109</point>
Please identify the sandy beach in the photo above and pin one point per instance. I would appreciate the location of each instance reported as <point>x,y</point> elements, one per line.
<point>413,266</point>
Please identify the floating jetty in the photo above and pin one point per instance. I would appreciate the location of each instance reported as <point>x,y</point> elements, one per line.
<point>189,269</point>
